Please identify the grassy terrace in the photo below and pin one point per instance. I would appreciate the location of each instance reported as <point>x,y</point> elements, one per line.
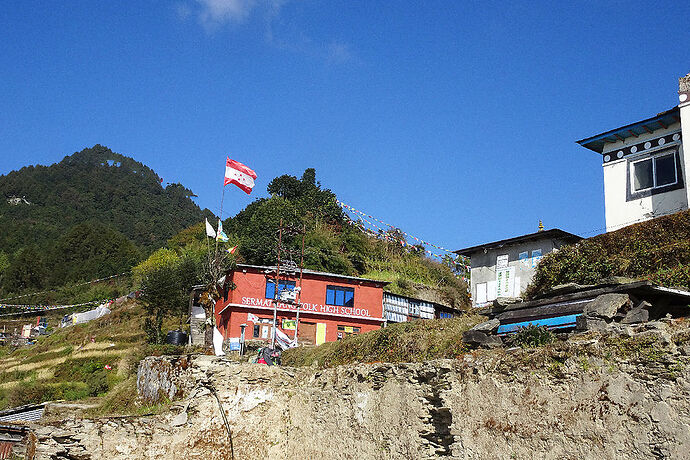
<point>70,364</point>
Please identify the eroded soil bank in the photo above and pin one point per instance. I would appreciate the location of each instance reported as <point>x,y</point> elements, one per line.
<point>489,404</point>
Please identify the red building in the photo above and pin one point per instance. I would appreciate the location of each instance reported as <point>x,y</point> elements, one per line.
<point>331,306</point>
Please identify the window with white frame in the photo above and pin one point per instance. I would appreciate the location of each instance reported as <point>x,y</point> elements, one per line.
<point>653,172</point>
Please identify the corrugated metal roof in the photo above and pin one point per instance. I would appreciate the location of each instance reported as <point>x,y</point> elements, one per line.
<point>28,413</point>
<point>660,121</point>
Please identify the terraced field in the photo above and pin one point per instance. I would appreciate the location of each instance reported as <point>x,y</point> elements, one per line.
<point>89,361</point>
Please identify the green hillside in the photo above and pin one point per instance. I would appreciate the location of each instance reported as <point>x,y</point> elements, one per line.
<point>94,213</point>
<point>658,249</point>
<point>336,244</point>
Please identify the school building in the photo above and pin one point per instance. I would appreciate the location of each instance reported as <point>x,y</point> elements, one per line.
<point>331,306</point>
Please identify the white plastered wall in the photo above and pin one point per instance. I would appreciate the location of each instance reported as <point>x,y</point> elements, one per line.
<point>619,212</point>
<point>685,127</point>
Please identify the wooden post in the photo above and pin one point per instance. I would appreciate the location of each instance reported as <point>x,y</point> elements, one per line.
<point>301,268</point>
<point>275,291</point>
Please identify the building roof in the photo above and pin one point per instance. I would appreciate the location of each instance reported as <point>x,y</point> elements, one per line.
<point>284,269</point>
<point>554,233</point>
<point>661,121</point>
<point>26,413</point>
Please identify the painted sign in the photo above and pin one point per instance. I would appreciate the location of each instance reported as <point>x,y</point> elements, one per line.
<point>308,307</point>
<point>505,282</point>
<point>502,261</point>
<point>288,324</point>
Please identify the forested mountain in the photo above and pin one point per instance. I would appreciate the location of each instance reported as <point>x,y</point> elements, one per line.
<point>98,213</point>
<point>93,212</point>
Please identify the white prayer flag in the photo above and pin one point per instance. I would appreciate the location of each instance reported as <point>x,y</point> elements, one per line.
<point>209,230</point>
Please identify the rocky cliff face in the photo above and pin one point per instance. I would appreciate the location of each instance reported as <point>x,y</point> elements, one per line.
<point>491,404</point>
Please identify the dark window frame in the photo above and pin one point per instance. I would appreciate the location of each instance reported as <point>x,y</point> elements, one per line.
<point>256,331</point>
<point>344,290</point>
<point>631,194</point>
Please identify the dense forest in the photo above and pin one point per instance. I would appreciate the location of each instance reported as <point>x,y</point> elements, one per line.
<point>95,213</point>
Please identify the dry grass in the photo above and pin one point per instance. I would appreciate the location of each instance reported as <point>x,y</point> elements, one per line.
<point>404,342</point>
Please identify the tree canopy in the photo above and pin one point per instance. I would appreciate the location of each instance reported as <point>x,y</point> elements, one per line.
<point>93,214</point>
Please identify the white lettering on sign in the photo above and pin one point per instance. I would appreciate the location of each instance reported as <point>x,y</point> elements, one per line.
<point>308,307</point>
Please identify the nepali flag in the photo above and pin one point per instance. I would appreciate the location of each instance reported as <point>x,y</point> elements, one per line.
<point>240,175</point>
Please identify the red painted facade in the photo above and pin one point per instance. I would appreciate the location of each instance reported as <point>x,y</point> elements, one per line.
<point>318,321</point>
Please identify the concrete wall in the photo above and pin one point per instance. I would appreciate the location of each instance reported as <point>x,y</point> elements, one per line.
<point>622,211</point>
<point>484,265</point>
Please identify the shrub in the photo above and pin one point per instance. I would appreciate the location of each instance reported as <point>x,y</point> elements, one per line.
<point>90,371</point>
<point>658,249</point>
<point>533,336</point>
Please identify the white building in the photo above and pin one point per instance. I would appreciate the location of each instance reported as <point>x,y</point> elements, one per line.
<point>505,268</point>
<point>644,165</point>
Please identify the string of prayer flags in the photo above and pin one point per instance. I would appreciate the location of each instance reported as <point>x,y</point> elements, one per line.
<point>221,236</point>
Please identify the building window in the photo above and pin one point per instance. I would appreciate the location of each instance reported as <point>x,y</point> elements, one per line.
<point>654,174</point>
<point>341,296</point>
<point>257,331</point>
<point>282,286</point>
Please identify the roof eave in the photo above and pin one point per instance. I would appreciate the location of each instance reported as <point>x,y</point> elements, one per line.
<point>552,233</point>
<point>597,142</point>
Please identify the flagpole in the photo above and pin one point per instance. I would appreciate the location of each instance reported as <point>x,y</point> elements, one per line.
<point>220,217</point>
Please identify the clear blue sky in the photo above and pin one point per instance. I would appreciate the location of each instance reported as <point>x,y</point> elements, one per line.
<point>455,121</point>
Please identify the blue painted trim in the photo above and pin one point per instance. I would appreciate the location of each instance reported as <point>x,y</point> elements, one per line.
<point>557,322</point>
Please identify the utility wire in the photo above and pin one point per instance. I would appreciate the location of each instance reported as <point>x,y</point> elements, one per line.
<point>66,287</point>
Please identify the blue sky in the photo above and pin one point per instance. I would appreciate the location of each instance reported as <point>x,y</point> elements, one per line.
<point>455,121</point>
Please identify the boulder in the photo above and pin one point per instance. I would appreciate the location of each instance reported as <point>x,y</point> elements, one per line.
<point>503,302</point>
<point>606,305</point>
<point>565,288</point>
<point>588,323</point>
<point>487,326</point>
<point>636,315</point>
<point>481,339</point>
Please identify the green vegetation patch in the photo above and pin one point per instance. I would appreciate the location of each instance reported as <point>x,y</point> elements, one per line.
<point>14,375</point>
<point>98,373</point>
<point>658,250</point>
<point>403,342</point>
<point>37,358</point>
<point>34,392</point>
<point>532,336</point>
